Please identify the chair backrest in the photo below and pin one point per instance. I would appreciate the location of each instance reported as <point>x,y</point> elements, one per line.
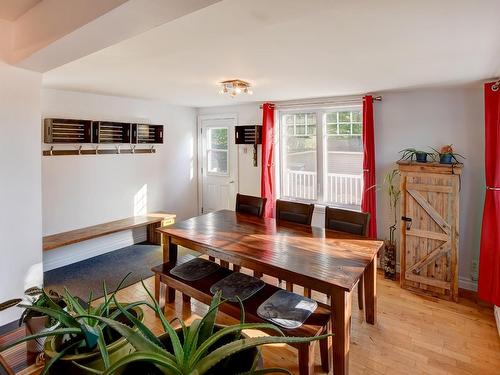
<point>347,221</point>
<point>294,212</point>
<point>250,205</point>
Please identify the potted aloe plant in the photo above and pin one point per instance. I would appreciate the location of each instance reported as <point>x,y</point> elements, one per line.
<point>34,321</point>
<point>411,154</point>
<point>447,155</point>
<point>82,343</point>
<point>202,348</point>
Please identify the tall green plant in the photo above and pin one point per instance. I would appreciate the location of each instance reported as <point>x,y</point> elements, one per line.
<point>82,327</point>
<point>191,355</point>
<point>394,194</point>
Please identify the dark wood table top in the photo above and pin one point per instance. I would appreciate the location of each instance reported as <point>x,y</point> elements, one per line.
<point>321,257</point>
<point>78,235</point>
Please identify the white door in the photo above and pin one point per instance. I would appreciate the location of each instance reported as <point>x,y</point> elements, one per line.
<point>219,163</point>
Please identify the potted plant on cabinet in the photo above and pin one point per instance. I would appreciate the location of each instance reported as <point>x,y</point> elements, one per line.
<point>81,343</point>
<point>447,156</point>
<point>411,154</point>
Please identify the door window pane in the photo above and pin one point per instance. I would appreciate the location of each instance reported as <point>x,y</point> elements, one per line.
<point>217,150</point>
<point>300,156</point>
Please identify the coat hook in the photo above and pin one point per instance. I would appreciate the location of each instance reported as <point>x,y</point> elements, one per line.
<point>51,150</point>
<point>96,149</point>
<point>132,149</point>
<point>152,149</point>
<point>118,149</point>
<point>80,150</point>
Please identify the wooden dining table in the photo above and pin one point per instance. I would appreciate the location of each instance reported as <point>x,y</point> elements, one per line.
<point>326,261</point>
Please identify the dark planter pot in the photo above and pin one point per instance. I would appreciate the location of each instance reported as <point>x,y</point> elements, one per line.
<point>446,159</point>
<point>238,363</point>
<point>389,261</point>
<point>421,157</point>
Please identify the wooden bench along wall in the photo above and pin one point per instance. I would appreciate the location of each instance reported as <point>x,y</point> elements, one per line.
<point>151,221</point>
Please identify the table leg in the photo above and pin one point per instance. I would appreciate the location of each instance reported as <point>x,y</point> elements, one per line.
<point>370,280</point>
<point>341,303</point>
<point>169,255</point>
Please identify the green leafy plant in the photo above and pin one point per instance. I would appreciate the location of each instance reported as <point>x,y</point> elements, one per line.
<point>194,349</point>
<point>411,154</point>
<point>81,328</point>
<point>446,152</point>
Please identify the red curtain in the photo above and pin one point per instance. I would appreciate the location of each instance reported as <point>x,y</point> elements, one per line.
<point>489,260</point>
<point>368,199</point>
<point>267,177</point>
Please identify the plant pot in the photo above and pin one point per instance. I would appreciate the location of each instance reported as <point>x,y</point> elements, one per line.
<point>421,157</point>
<point>389,261</point>
<point>34,325</point>
<point>238,363</point>
<point>116,349</point>
<point>446,158</point>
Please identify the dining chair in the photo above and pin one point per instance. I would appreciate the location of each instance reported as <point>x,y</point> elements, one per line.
<point>353,222</point>
<point>250,205</point>
<point>294,212</point>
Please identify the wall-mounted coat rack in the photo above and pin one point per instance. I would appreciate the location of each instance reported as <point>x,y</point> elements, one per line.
<point>66,131</point>
<point>249,135</point>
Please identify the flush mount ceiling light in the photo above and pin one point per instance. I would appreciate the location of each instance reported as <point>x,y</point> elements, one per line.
<point>235,87</point>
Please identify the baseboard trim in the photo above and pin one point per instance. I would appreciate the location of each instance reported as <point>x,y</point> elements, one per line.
<point>73,253</point>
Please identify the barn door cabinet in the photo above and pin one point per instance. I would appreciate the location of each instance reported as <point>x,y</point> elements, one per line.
<point>430,228</point>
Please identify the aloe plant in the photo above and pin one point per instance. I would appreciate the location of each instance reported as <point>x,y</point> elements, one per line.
<point>82,327</point>
<point>195,354</point>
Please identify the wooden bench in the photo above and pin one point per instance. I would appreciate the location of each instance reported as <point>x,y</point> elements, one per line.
<point>317,324</point>
<point>151,221</point>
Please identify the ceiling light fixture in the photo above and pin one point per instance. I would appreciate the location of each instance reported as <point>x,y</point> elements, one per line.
<point>234,87</point>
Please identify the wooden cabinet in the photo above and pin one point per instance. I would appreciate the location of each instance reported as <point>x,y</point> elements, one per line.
<point>430,228</point>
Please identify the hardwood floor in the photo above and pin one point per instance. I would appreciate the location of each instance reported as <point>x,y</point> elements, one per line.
<point>413,334</point>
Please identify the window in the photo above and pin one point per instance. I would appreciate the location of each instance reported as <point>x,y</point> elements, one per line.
<point>217,151</point>
<point>322,156</point>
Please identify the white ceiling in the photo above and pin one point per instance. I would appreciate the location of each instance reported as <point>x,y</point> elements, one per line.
<point>11,10</point>
<point>291,49</point>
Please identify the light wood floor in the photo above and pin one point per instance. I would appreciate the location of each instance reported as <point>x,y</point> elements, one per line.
<point>413,335</point>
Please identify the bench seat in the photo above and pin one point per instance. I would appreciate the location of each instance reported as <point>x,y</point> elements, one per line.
<point>317,324</point>
<point>151,221</point>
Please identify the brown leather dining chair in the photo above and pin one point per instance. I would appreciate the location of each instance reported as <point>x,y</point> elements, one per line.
<point>250,205</point>
<point>294,212</point>
<point>298,213</point>
<point>353,222</point>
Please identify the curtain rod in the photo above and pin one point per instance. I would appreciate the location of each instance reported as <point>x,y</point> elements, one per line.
<point>326,102</point>
<point>496,85</point>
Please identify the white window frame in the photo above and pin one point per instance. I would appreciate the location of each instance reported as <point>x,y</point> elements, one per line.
<point>321,148</point>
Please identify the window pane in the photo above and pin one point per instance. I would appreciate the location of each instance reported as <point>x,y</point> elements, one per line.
<point>289,119</point>
<point>218,138</point>
<point>299,160</point>
<point>331,117</point>
<point>332,129</point>
<point>345,162</point>
<point>217,161</point>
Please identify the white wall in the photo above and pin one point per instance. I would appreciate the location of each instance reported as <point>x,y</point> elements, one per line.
<point>20,185</point>
<point>79,191</point>
<point>415,118</point>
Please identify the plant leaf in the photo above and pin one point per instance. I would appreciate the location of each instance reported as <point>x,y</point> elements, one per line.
<point>227,350</point>
<point>60,315</point>
<point>174,338</point>
<point>206,328</point>
<point>85,368</point>
<point>169,365</point>
<point>146,332</point>
<point>270,370</point>
<point>105,305</point>
<point>57,356</point>
<point>101,343</point>
<point>226,331</point>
